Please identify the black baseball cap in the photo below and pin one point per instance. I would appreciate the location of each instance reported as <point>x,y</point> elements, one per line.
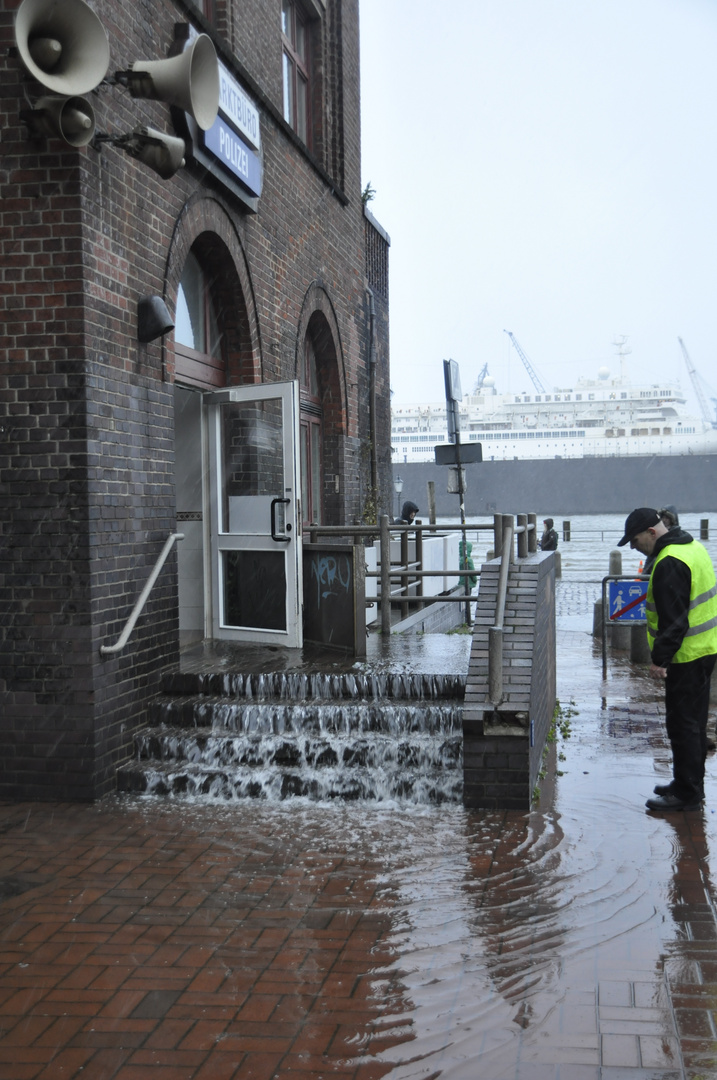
<point>636,522</point>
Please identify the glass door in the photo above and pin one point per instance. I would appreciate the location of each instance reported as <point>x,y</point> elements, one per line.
<point>256,513</point>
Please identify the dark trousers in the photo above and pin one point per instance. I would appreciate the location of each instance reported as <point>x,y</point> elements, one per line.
<point>687,698</point>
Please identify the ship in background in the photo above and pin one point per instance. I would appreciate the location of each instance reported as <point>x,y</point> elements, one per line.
<point>595,418</point>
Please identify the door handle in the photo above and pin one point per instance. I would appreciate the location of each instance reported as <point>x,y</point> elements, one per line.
<point>279,537</point>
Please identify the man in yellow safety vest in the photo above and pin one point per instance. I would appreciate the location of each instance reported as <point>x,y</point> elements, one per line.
<point>682,634</point>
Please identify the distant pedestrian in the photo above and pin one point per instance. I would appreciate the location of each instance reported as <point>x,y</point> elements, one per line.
<point>408,513</point>
<point>682,635</point>
<point>549,539</point>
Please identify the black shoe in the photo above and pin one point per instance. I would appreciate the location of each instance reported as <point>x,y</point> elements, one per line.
<point>670,802</point>
<point>663,789</point>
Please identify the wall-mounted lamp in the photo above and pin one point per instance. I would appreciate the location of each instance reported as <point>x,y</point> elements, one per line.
<point>153,318</point>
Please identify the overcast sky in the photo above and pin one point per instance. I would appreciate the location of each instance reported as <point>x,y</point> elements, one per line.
<point>547,167</point>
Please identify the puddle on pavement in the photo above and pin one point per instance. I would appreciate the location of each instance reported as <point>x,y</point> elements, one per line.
<point>410,942</point>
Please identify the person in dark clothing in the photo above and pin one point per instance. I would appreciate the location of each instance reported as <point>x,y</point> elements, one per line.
<point>670,518</point>
<point>549,539</point>
<point>408,513</point>
<point>682,634</point>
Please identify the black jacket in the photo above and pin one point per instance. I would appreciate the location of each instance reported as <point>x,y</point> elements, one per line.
<point>406,509</point>
<point>671,583</point>
<point>549,541</point>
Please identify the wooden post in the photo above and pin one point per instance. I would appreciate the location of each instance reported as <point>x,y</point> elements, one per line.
<point>508,523</point>
<point>431,488</point>
<point>497,535</point>
<point>523,536</point>
<point>533,534</point>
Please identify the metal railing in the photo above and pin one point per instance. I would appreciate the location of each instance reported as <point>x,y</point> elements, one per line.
<point>108,650</point>
<point>396,580</point>
<point>527,537</point>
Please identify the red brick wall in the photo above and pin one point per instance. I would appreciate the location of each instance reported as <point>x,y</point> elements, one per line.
<point>86,412</point>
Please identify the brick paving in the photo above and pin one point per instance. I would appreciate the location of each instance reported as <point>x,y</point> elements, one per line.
<point>578,942</point>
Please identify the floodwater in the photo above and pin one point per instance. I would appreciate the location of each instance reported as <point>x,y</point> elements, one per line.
<point>578,941</point>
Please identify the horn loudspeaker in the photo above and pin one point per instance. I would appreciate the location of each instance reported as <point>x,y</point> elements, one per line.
<point>190,81</point>
<point>63,45</point>
<point>73,119</point>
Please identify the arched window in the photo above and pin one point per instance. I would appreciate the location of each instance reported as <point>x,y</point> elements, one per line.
<point>198,342</point>
<point>311,436</point>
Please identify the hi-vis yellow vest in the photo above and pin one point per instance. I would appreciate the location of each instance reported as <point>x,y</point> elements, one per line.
<point>701,637</point>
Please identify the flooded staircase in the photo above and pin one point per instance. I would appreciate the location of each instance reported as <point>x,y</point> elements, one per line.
<point>277,735</point>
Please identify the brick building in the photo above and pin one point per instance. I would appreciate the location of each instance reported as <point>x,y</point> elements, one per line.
<point>272,272</point>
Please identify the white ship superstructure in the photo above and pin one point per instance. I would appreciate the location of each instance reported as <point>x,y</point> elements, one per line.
<point>603,417</point>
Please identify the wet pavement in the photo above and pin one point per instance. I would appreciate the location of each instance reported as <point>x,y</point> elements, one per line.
<point>195,941</point>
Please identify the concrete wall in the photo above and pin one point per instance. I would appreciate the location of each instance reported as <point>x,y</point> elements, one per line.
<point>503,747</point>
<point>562,486</point>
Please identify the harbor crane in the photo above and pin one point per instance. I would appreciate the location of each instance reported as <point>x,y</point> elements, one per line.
<point>704,408</point>
<point>528,366</point>
<point>481,379</point>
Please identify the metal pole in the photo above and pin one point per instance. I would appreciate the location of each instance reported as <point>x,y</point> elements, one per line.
<point>404,581</point>
<point>385,575</point>
<point>419,559</point>
<point>461,496</point>
<point>604,629</point>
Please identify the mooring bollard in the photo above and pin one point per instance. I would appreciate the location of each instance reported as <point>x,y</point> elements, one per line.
<point>639,648</point>
<point>615,564</point>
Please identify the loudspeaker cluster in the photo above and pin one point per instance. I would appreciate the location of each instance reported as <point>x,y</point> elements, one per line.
<point>65,48</point>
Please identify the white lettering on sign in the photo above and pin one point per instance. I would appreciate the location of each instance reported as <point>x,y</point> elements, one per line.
<point>234,152</point>
<point>238,108</point>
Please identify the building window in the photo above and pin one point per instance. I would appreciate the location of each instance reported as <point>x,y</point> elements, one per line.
<point>311,436</point>
<point>295,60</point>
<point>197,339</point>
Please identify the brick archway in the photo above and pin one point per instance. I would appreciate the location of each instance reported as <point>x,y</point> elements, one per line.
<point>206,227</point>
<point>318,321</point>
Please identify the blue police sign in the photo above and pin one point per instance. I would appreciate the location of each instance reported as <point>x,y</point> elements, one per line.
<point>233,152</point>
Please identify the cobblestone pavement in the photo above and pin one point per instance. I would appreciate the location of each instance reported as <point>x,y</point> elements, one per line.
<point>142,940</point>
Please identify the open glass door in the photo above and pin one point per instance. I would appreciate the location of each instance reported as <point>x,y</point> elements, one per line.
<point>255,513</point>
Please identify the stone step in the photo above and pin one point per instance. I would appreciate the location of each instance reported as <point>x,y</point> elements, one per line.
<point>188,780</point>
<point>300,686</point>
<point>307,717</point>
<point>259,751</point>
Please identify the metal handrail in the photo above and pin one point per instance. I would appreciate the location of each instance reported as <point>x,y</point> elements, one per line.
<point>495,633</point>
<point>107,650</point>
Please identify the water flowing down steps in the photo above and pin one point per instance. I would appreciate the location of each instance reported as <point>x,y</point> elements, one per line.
<point>275,735</point>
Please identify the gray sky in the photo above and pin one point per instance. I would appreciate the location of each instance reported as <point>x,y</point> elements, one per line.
<point>547,167</point>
